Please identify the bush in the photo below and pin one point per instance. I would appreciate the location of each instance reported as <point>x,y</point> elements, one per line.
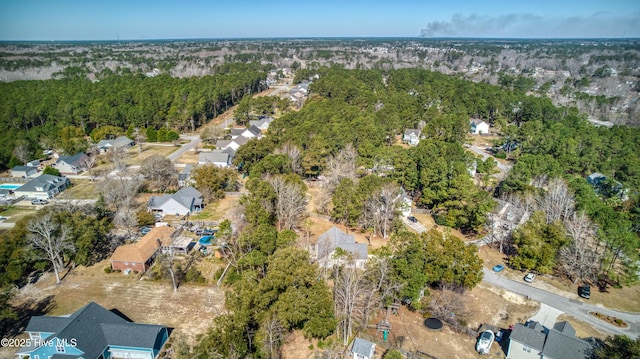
<point>108,269</point>
<point>193,275</point>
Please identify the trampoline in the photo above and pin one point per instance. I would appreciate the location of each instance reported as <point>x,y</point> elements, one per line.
<point>433,323</point>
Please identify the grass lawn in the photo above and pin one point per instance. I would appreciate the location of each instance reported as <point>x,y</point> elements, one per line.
<point>15,214</point>
<point>81,189</point>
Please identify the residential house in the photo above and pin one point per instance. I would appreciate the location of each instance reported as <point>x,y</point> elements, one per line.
<point>220,158</point>
<point>596,179</point>
<point>533,341</point>
<point>43,187</point>
<point>478,127</point>
<point>236,132</point>
<point>411,136</point>
<point>184,177</point>
<point>73,164</point>
<point>34,163</point>
<point>363,349</point>
<point>120,142</point>
<point>334,238</point>
<point>609,188</point>
<point>237,142</point>
<point>251,132</point>
<point>23,171</point>
<point>139,256</point>
<point>222,144</point>
<point>92,332</point>
<point>263,123</point>
<point>183,202</point>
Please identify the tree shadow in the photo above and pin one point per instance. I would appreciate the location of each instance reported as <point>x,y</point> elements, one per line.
<point>11,327</point>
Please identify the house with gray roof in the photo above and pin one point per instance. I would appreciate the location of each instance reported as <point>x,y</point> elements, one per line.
<point>120,142</point>
<point>23,171</point>
<point>92,332</point>
<point>533,341</point>
<point>220,158</point>
<point>252,132</point>
<point>263,123</point>
<point>363,349</point>
<point>185,201</point>
<point>412,136</point>
<point>478,127</point>
<point>72,165</point>
<point>184,177</point>
<point>328,244</point>
<point>43,187</point>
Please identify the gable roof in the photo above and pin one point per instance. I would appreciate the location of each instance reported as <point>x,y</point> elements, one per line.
<point>188,197</point>
<point>261,122</point>
<point>255,130</point>
<point>24,168</point>
<point>72,160</point>
<point>411,131</point>
<point>476,121</point>
<point>215,156</point>
<point>528,336</point>
<point>43,183</point>
<point>559,345</point>
<point>241,140</point>
<point>94,328</point>
<point>117,142</point>
<point>223,143</point>
<point>335,238</point>
<point>142,250</point>
<point>362,347</point>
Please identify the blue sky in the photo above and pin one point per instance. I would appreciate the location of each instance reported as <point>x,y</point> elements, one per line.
<point>164,19</point>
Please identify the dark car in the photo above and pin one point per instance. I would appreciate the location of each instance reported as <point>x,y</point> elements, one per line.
<point>584,291</point>
<point>412,219</point>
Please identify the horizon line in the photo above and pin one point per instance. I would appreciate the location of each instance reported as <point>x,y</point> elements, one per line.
<point>264,38</point>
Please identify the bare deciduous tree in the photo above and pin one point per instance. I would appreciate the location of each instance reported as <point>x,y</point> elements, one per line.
<point>22,153</point>
<point>558,202</point>
<point>118,157</point>
<point>340,166</point>
<point>447,305</point>
<point>579,259</point>
<point>53,239</point>
<point>212,133</point>
<point>291,202</point>
<point>120,191</point>
<point>272,332</point>
<point>293,152</point>
<point>382,207</point>
<point>160,171</point>
<point>350,294</point>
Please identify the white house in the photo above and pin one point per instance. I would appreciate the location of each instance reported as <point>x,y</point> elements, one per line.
<point>363,349</point>
<point>120,142</point>
<point>333,239</point>
<point>23,171</point>
<point>42,187</point>
<point>185,201</point>
<point>478,127</point>
<point>263,123</point>
<point>411,136</point>
<point>73,164</point>
<point>251,132</point>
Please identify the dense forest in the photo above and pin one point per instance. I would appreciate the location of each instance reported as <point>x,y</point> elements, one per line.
<point>50,114</point>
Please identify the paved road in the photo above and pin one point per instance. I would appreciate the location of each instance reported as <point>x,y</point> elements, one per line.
<point>193,142</point>
<point>574,307</point>
<point>482,152</point>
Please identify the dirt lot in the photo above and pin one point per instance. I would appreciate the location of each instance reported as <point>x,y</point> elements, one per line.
<point>188,311</point>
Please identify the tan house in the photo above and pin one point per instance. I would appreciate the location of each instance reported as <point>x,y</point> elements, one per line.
<point>139,256</point>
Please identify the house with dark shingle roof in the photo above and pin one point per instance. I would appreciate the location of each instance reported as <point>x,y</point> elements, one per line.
<point>185,201</point>
<point>532,341</point>
<point>43,187</point>
<point>363,349</point>
<point>23,171</point>
<point>73,164</point>
<point>329,242</point>
<point>220,158</point>
<point>92,332</point>
<point>120,142</point>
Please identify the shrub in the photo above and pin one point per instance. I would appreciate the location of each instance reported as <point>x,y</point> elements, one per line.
<point>108,269</point>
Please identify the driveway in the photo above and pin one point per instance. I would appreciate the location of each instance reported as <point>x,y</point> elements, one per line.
<point>575,307</point>
<point>483,153</point>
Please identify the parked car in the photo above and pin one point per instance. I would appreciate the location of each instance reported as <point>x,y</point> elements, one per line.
<point>498,267</point>
<point>39,201</point>
<point>584,291</point>
<point>412,219</point>
<point>2,218</point>
<point>529,277</point>
<point>145,230</point>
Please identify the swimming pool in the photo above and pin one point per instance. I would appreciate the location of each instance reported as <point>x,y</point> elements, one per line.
<point>10,186</point>
<point>206,240</point>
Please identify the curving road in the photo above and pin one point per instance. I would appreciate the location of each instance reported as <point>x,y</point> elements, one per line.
<point>576,308</point>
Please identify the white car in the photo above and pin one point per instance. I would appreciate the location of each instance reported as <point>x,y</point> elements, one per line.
<point>529,277</point>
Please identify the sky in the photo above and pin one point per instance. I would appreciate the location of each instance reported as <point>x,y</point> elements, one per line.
<point>45,20</point>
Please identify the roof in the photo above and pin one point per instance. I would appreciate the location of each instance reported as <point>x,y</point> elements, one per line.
<point>215,156</point>
<point>222,143</point>
<point>142,250</point>
<point>118,142</point>
<point>72,160</point>
<point>94,328</point>
<point>596,175</point>
<point>362,347</point>
<point>237,131</point>
<point>23,168</point>
<point>560,345</point>
<point>565,328</point>
<point>262,121</point>
<point>335,238</point>
<point>43,183</point>
<point>411,131</point>
<point>188,196</point>
<point>527,336</point>
<point>241,140</point>
<point>477,121</point>
<point>255,130</point>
